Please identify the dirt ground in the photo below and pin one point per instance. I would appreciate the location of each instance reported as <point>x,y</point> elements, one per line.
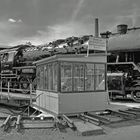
<point>122,131</point>
<point>126,130</point>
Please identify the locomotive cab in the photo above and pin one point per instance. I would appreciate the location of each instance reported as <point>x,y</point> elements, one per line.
<point>7,61</point>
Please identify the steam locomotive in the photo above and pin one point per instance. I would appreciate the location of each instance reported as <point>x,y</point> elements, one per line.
<point>17,71</point>
<point>124,66</point>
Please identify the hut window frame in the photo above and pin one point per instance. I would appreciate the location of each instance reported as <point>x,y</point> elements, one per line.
<point>94,74</point>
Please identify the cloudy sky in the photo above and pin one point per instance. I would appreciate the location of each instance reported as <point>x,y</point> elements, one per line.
<point>40,21</point>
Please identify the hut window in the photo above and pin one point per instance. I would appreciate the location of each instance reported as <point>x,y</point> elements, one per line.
<point>40,75</point>
<point>46,77</point>
<point>89,77</point>
<point>38,78</point>
<point>55,76</point>
<point>100,76</point>
<point>50,77</point>
<point>41,78</point>
<point>78,77</point>
<point>66,77</point>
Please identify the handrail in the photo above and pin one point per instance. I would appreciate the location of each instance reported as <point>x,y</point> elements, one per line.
<point>8,88</point>
<point>122,63</point>
<point>16,89</point>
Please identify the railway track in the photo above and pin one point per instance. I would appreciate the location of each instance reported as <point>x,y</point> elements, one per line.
<point>85,123</point>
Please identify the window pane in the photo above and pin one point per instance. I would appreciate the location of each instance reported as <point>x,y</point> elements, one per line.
<point>66,77</point>
<point>89,77</point>
<point>38,78</point>
<point>11,56</point>
<point>114,82</point>
<point>78,77</point>
<point>100,76</point>
<point>55,73</point>
<point>46,77</point>
<point>50,77</point>
<point>41,77</point>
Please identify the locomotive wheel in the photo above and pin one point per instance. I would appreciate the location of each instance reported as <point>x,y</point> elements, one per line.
<point>136,96</point>
<point>25,85</point>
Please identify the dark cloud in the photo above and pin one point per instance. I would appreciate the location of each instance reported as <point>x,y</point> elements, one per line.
<point>38,15</point>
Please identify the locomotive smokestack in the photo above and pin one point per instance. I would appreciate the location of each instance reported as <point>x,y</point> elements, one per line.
<point>96,27</point>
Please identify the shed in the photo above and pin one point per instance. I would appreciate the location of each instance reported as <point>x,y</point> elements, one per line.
<point>72,83</point>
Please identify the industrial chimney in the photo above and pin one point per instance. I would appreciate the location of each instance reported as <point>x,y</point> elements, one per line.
<point>96,27</point>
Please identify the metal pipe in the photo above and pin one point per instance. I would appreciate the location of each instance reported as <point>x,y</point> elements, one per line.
<point>69,121</point>
<point>18,122</point>
<point>6,121</point>
<point>134,28</point>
